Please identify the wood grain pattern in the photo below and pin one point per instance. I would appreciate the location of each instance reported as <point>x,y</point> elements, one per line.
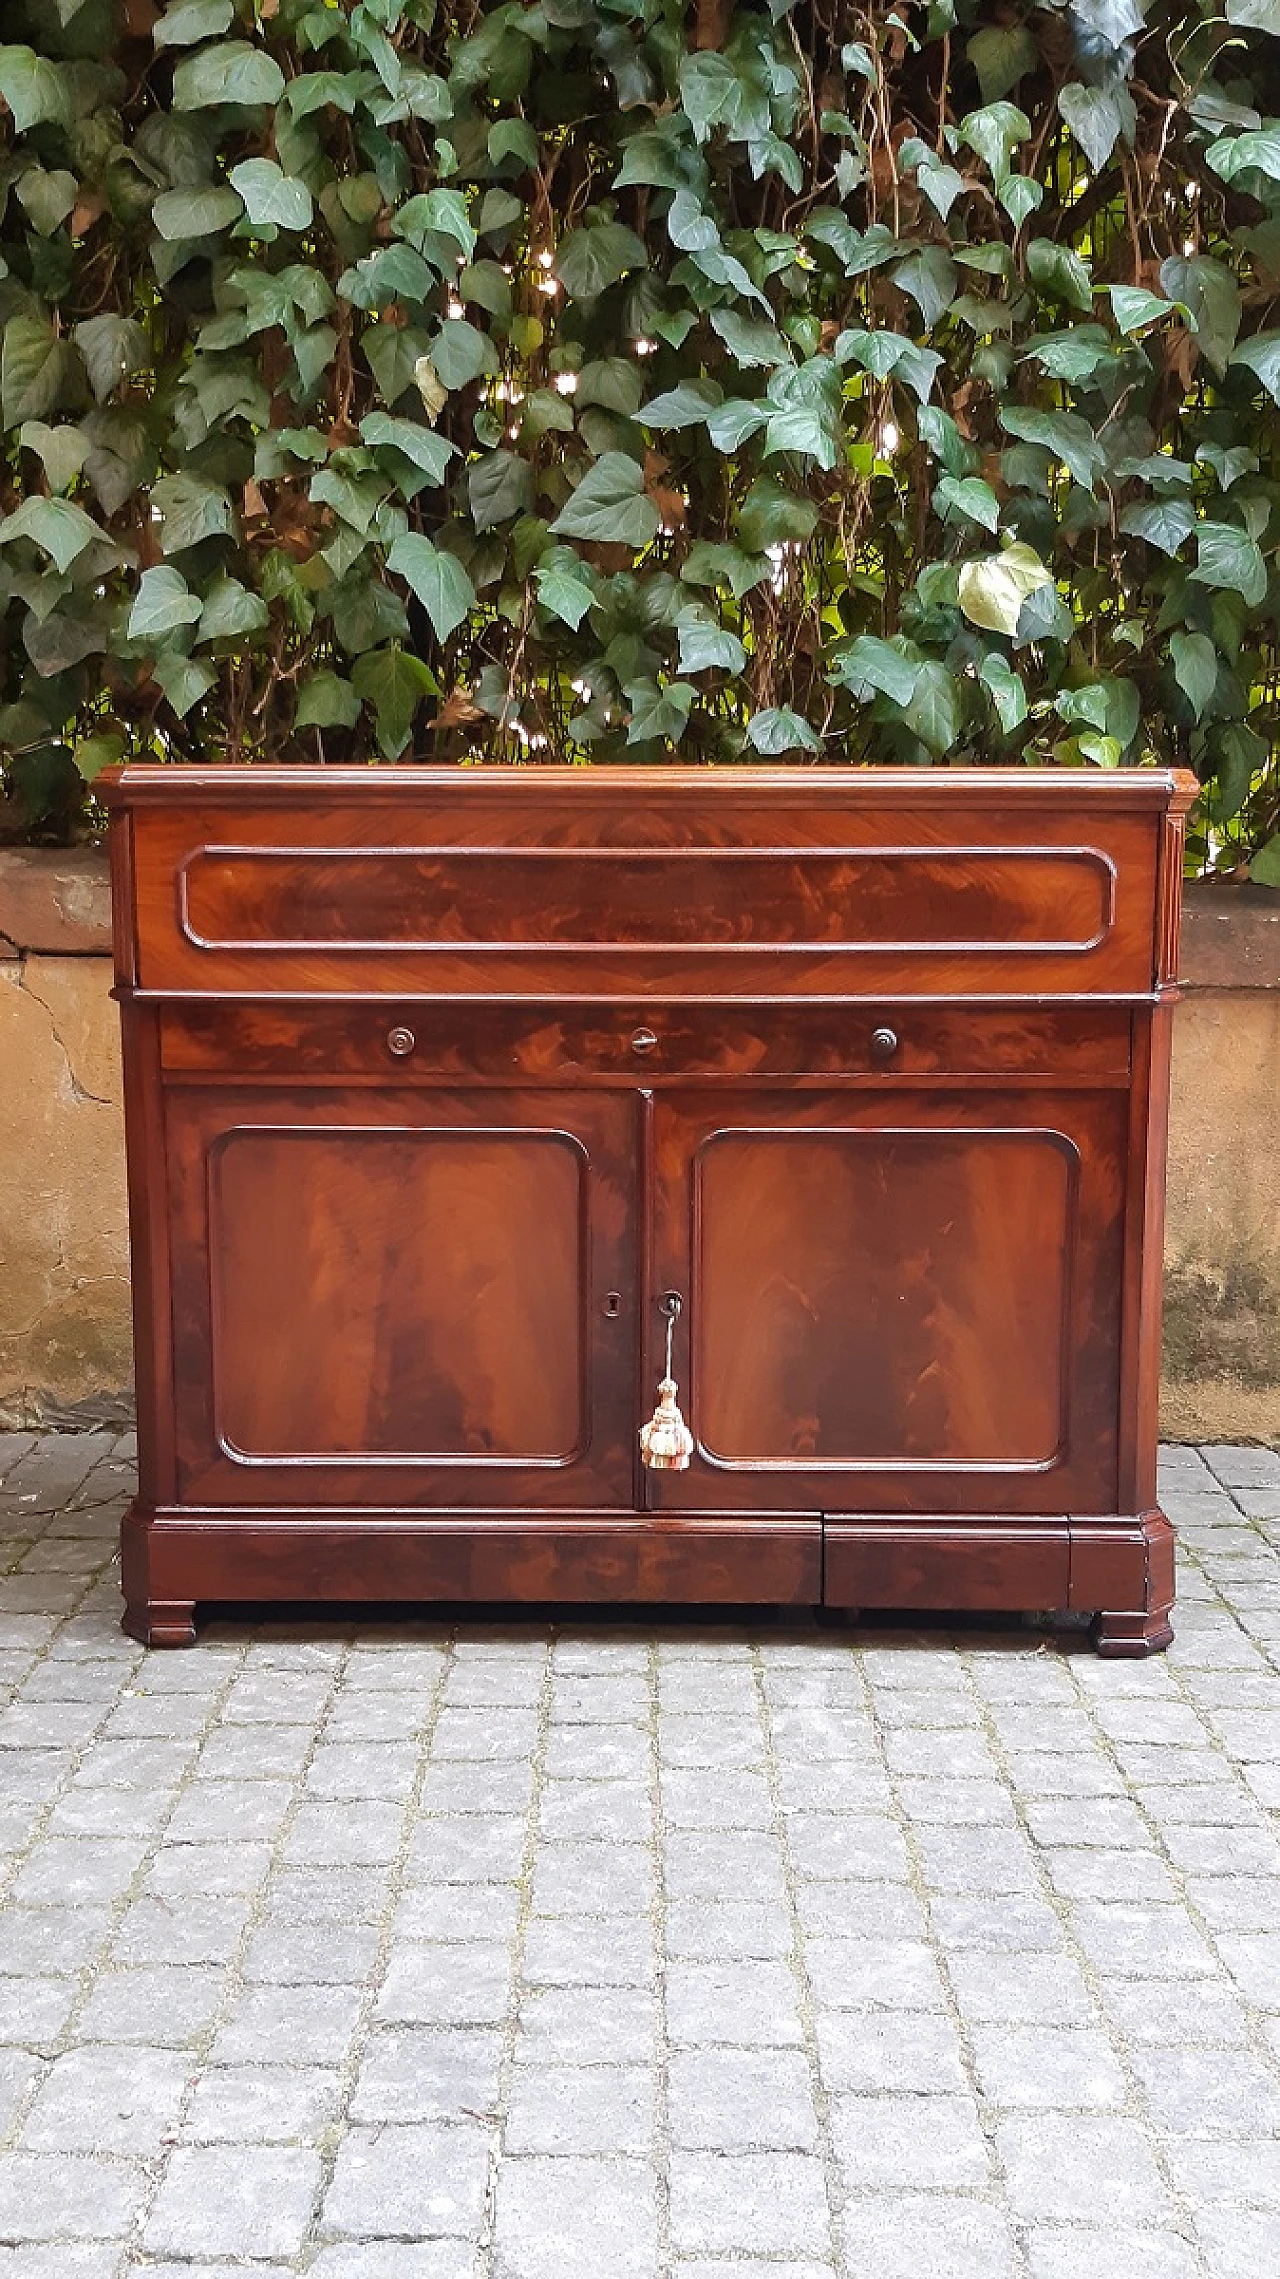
<point>409,1302</point>
<point>923,1288</point>
<point>885,898</point>
<point>496,1043</point>
<point>437,1080</point>
<point>520,884</point>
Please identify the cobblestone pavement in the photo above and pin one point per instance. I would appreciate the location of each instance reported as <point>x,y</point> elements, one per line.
<point>376,1950</point>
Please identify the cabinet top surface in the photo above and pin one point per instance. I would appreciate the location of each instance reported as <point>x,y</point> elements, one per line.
<point>871,787</point>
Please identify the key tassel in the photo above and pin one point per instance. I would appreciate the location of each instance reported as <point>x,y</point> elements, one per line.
<point>666,1443</point>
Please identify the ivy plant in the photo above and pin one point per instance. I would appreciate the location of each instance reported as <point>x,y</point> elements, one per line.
<point>616,380</point>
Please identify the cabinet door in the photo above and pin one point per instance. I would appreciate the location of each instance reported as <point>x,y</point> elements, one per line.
<point>898,1301</point>
<point>423,1299</point>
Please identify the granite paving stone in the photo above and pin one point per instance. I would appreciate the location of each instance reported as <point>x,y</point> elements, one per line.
<point>386,1947</point>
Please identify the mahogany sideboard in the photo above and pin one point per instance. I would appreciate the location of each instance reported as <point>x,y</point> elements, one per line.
<point>444,1084</point>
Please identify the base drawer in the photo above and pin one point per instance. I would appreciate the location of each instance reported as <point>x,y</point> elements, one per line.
<point>998,1564</point>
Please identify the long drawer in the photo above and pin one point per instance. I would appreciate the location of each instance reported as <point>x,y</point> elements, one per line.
<point>409,1040</point>
<point>708,890</point>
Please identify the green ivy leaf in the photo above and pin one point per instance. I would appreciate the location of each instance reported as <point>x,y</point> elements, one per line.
<point>183,680</point>
<point>34,369</point>
<point>933,710</point>
<point>780,730</point>
<point>499,486</point>
<point>47,197</point>
<point>708,647</point>
<point>192,20</point>
<point>1065,434</point>
<point>710,564</point>
<point>94,753</point>
<point>772,515</point>
<point>970,498</point>
<point>1239,757</point>
<point>1195,668</point>
<point>459,354</point>
<point>326,700</point>
<point>62,451</point>
<point>35,90</point>
<point>869,667</point>
<point>1261,355</point>
<point>596,256</point>
<point>1006,690</point>
<point>272,198</point>
<point>393,682</point>
<point>1134,308</point>
<point>230,612</point>
<point>190,510</point>
<point>1002,55</point>
<point>1057,270</point>
<point>686,405</point>
<point>113,347</point>
<point>1210,293</point>
<point>609,505</point>
<point>421,445</point>
<point>58,526</point>
<point>1228,557</point>
<point>230,72</point>
<point>1111,706</point>
<point>563,590</point>
<point>929,276</point>
<point>181,214</point>
<point>994,134</point>
<point>751,341</point>
<point>1264,866</point>
<point>658,714</point>
<point>731,425</point>
<point>1166,523</point>
<point>163,603</point>
<point>437,578</point>
<point>1097,117</point>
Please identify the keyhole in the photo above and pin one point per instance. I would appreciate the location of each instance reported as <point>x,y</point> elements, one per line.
<point>613,1304</point>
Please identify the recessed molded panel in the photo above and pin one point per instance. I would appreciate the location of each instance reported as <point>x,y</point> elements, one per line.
<point>903,1302</point>
<point>435,1278</point>
<point>404,1301</point>
<point>886,1297</point>
<point>378,898</point>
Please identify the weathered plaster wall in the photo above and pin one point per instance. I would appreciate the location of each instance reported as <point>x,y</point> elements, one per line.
<point>64,1284</point>
<point>64,1297</point>
<point>1221,1378</point>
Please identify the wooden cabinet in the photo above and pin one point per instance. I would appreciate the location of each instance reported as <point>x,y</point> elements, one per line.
<point>441,1084</point>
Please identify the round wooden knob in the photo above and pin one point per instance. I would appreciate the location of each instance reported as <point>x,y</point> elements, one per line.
<point>401,1042</point>
<point>884,1043</point>
<point>644,1040</point>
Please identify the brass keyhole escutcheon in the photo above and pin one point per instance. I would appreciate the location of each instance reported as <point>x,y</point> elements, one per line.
<point>666,1443</point>
<point>612,1305</point>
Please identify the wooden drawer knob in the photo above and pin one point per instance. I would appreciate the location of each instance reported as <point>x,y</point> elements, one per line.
<point>401,1042</point>
<point>884,1044</point>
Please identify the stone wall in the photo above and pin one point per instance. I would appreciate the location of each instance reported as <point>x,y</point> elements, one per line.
<point>64,1297</point>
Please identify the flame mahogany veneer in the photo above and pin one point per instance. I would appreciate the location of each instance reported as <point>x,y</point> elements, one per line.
<point>438,1079</point>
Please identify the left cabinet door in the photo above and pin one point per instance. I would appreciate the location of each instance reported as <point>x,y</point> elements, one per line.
<point>421,1298</point>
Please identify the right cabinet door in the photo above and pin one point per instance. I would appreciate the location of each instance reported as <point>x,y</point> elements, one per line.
<point>900,1300</point>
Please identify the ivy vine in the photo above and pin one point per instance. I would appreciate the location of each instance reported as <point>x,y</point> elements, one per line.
<point>614,380</point>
